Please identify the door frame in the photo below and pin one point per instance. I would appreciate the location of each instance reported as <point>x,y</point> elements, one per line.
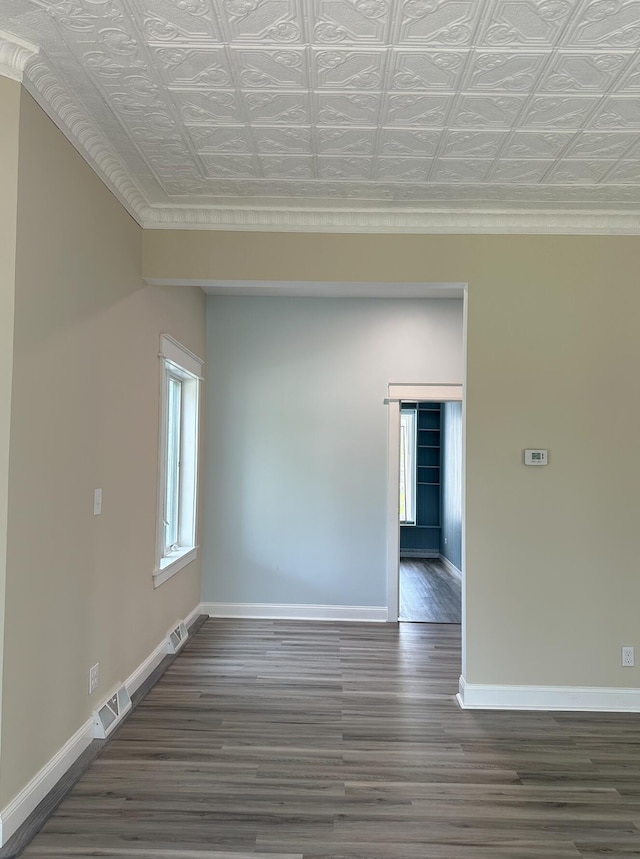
<point>413,393</point>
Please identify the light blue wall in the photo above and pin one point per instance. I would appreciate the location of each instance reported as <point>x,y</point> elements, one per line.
<point>451,470</point>
<point>296,440</point>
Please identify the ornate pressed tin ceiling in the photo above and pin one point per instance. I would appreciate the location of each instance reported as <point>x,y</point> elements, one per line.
<point>352,114</point>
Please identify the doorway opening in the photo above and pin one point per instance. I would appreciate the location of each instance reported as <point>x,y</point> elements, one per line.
<point>430,512</point>
<point>426,396</point>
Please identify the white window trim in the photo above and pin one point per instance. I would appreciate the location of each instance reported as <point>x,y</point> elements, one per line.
<point>176,360</point>
<point>410,479</point>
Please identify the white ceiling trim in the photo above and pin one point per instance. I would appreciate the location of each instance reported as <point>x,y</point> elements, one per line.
<point>21,61</point>
<point>14,55</point>
<point>394,220</point>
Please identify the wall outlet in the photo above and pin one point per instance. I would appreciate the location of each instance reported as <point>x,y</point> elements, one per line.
<point>628,657</point>
<point>97,502</point>
<point>93,678</point>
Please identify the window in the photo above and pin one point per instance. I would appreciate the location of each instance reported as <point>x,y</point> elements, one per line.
<point>178,464</point>
<point>408,425</point>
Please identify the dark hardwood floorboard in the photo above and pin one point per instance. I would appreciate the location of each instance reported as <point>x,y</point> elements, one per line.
<point>429,592</point>
<point>344,741</point>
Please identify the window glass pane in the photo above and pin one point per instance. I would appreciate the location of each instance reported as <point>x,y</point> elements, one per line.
<point>172,489</point>
<point>408,466</point>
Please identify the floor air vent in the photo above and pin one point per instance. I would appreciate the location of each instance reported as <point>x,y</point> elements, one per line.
<point>111,712</point>
<point>177,637</point>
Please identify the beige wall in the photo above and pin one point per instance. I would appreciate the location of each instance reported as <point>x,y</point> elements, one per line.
<point>553,356</point>
<point>9,133</point>
<point>84,415</point>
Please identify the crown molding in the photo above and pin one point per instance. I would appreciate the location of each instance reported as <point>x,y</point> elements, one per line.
<point>21,61</point>
<point>52,96</point>
<point>394,220</point>
<point>15,53</point>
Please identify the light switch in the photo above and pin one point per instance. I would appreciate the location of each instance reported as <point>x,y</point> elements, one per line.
<point>536,457</point>
<point>97,502</point>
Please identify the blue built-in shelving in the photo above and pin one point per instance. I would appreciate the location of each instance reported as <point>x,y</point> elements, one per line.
<point>424,537</point>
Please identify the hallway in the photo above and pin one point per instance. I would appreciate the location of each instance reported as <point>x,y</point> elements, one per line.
<point>429,593</point>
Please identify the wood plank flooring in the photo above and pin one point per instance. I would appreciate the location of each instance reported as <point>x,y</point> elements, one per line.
<point>429,592</point>
<point>303,740</point>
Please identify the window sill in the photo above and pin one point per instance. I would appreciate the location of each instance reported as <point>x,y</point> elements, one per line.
<point>173,563</point>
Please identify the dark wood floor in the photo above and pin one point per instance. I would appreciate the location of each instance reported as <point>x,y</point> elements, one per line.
<point>429,592</point>
<point>298,739</point>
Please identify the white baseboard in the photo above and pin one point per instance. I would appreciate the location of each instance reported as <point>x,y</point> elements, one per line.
<point>451,567</point>
<point>419,553</point>
<point>197,611</point>
<point>475,696</point>
<point>16,812</point>
<point>267,611</point>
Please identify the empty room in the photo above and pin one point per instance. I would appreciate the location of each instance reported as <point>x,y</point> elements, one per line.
<point>237,240</point>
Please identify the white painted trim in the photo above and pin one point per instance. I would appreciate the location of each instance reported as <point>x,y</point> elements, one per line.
<point>187,555</point>
<point>147,667</point>
<point>15,54</point>
<point>451,567</point>
<point>196,612</point>
<point>476,696</point>
<point>425,219</point>
<point>393,511</point>
<point>16,812</point>
<point>296,612</point>
<point>436,393</point>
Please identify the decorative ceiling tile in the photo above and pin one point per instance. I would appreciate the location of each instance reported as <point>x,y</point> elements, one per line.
<point>567,172</point>
<point>346,109</point>
<point>230,138</point>
<point>480,111</point>
<point>406,141</point>
<point>425,70</point>
<point>537,144</point>
<point>208,107</point>
<point>625,173</point>
<point>522,172</point>
<point>494,102</point>
<point>630,82</point>
<point>287,167</point>
<point>583,72</point>
<point>193,67</point>
<point>618,113</point>
<point>277,108</point>
<point>459,170</point>
<point>556,112</point>
<point>361,21</point>
<point>272,68</point>
<point>282,140</point>
<point>230,166</point>
<point>347,141</point>
<point>513,72</point>
<point>339,69</point>
<point>403,169</point>
<point>164,21</point>
<point>607,23</point>
<point>441,22</point>
<point>527,23</point>
<point>414,109</point>
<point>473,144</point>
<point>343,168</point>
<point>260,21</point>
<point>596,145</point>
